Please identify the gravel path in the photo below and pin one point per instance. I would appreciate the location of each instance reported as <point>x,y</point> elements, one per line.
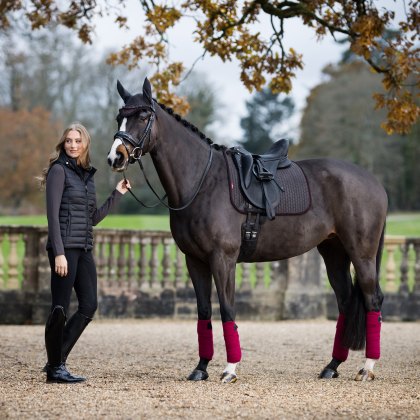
<point>136,370</point>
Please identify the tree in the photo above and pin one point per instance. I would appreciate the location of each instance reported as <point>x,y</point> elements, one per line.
<point>225,29</point>
<point>265,113</point>
<point>50,70</point>
<point>26,141</point>
<point>203,102</point>
<point>338,122</point>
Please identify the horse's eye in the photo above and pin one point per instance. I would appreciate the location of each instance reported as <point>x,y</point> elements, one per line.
<point>143,115</point>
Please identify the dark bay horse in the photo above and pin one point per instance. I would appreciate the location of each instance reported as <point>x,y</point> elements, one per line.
<point>345,221</point>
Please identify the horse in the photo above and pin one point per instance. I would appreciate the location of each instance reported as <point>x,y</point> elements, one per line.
<point>345,221</point>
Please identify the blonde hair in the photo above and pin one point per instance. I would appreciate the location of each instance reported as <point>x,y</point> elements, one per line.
<point>83,160</point>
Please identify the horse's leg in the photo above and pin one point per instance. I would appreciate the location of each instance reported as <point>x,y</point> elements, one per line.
<point>337,263</point>
<point>363,312</point>
<point>223,269</point>
<point>367,279</point>
<point>201,278</point>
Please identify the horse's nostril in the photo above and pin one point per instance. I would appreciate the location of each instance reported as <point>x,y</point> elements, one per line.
<point>109,162</point>
<point>120,158</point>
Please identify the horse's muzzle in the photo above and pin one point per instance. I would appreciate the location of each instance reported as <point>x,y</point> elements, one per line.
<point>117,161</point>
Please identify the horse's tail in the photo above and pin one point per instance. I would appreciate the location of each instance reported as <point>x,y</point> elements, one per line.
<point>354,336</point>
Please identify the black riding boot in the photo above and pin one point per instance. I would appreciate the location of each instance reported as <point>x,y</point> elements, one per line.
<point>56,370</point>
<point>72,331</point>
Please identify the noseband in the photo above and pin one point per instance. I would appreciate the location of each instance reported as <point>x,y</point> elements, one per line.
<point>126,137</point>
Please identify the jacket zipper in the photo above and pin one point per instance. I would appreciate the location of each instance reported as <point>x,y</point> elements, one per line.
<point>87,217</point>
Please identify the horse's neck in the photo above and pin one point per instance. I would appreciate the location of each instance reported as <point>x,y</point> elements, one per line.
<point>180,158</point>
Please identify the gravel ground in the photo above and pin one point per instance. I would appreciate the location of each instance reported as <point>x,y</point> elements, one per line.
<point>137,369</point>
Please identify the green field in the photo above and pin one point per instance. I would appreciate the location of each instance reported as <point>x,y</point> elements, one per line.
<point>405,224</point>
<point>145,222</point>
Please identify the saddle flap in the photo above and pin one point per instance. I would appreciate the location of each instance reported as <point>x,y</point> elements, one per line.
<point>257,175</point>
<point>243,161</point>
<point>257,183</point>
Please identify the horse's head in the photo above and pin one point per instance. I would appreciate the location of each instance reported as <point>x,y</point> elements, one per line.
<point>135,123</point>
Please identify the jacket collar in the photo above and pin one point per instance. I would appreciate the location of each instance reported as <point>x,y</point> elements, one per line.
<point>71,163</point>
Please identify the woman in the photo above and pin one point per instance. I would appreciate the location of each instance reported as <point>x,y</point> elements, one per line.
<point>71,213</point>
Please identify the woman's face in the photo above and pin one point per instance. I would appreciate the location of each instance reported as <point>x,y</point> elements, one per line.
<point>73,145</point>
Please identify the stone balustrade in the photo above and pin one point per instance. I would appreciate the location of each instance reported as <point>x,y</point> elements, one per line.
<point>134,264</point>
<point>125,259</point>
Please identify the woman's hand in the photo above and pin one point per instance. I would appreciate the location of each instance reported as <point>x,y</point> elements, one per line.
<point>123,186</point>
<point>61,265</point>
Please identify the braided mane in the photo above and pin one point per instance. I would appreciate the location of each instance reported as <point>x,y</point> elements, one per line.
<point>187,124</point>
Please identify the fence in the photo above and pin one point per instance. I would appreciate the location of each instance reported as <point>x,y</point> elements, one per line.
<point>139,272</point>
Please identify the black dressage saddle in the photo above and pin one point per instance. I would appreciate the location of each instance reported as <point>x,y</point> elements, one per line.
<point>257,175</point>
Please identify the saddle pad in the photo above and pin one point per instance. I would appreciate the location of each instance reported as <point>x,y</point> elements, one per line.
<point>296,198</point>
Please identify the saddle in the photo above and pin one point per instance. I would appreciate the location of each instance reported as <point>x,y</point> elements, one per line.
<point>257,175</point>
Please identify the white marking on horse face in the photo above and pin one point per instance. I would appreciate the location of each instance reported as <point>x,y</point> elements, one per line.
<point>112,155</point>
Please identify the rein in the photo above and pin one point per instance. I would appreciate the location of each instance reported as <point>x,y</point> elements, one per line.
<point>160,200</point>
<point>136,154</point>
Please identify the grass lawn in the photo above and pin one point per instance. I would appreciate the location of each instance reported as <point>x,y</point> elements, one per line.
<point>405,224</point>
<point>145,222</point>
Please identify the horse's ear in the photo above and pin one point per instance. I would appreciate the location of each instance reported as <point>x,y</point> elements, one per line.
<point>125,95</point>
<point>147,90</point>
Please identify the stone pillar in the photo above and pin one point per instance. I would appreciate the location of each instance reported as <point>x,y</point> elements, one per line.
<point>2,286</point>
<point>13,262</point>
<point>403,290</point>
<point>31,260</point>
<point>44,270</point>
<point>305,293</point>
<point>270,299</point>
<point>416,246</point>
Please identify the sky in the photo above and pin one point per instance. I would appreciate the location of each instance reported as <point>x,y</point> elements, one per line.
<point>225,77</point>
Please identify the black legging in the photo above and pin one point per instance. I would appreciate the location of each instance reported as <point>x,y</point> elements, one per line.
<point>81,275</point>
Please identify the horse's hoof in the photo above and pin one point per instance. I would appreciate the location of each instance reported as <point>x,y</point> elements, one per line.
<point>328,373</point>
<point>228,378</point>
<point>364,375</point>
<point>198,375</point>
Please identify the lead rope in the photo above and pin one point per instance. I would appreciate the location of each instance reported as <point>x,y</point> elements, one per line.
<point>141,202</point>
<point>160,200</point>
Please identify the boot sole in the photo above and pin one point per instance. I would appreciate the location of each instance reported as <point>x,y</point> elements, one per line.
<point>60,381</point>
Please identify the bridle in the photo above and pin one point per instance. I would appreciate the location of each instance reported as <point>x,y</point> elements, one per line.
<point>137,152</point>
<point>124,136</point>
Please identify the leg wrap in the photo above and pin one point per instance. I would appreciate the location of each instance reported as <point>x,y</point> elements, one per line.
<point>233,346</point>
<point>205,339</point>
<point>339,351</point>
<point>373,335</point>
